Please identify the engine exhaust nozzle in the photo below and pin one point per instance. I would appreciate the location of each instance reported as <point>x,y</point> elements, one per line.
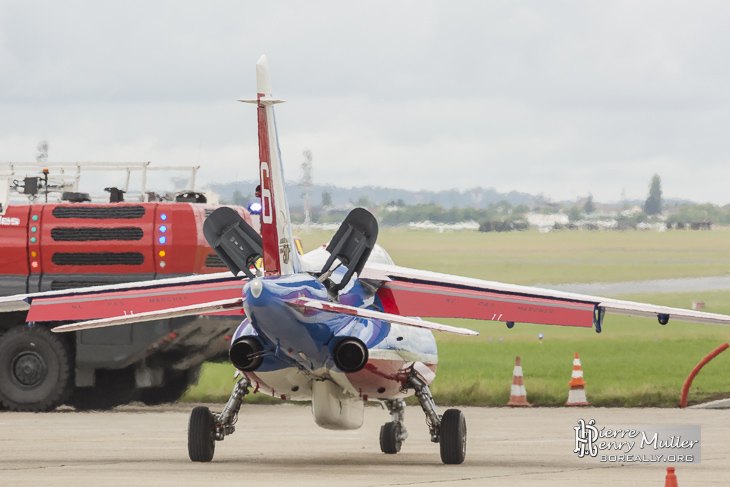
<point>350,355</point>
<point>245,354</point>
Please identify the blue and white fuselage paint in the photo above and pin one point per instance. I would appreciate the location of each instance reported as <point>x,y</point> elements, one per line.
<point>337,361</point>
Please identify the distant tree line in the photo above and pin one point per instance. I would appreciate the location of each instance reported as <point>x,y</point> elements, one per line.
<point>503,211</point>
<point>703,213</point>
<point>503,216</point>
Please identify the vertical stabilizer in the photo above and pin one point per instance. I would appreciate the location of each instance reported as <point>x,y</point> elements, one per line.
<point>280,255</point>
<point>263,84</point>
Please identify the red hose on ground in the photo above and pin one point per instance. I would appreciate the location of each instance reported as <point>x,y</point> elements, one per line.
<point>696,370</point>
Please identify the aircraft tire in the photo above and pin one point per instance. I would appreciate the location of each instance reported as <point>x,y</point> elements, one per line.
<point>36,369</point>
<point>453,437</point>
<point>389,434</point>
<point>201,435</point>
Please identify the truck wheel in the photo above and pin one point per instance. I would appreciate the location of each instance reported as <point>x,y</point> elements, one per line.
<point>176,384</point>
<point>36,369</point>
<point>113,387</point>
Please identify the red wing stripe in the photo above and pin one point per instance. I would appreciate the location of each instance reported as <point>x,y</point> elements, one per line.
<point>506,298</point>
<point>109,304</point>
<point>105,297</point>
<point>444,301</point>
<point>160,293</point>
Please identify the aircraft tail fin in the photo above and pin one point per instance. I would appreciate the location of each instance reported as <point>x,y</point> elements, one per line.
<point>279,249</point>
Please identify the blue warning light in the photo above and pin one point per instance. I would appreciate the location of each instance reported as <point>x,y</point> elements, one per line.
<point>163,217</point>
<point>163,228</point>
<point>255,208</point>
<point>162,239</point>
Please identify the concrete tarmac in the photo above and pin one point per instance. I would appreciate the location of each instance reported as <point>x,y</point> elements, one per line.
<point>135,446</point>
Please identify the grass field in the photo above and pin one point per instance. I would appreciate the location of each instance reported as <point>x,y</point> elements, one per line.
<point>634,362</point>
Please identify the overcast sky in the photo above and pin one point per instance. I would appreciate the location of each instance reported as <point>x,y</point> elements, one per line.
<point>559,98</point>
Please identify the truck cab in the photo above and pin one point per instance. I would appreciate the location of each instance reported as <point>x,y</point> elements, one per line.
<point>66,245</point>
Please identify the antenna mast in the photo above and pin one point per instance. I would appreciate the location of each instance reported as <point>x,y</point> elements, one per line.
<point>307,184</point>
<point>42,157</point>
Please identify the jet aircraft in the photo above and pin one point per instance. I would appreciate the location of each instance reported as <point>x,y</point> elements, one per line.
<point>338,326</point>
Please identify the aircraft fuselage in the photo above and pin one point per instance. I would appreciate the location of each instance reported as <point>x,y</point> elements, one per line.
<point>300,346</point>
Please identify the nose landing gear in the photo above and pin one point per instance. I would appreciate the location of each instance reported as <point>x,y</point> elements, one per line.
<point>394,433</point>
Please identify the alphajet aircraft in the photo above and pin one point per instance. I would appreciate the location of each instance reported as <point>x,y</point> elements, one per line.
<point>338,326</point>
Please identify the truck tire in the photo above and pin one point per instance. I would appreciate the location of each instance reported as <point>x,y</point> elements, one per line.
<point>113,387</point>
<point>36,369</point>
<point>176,384</point>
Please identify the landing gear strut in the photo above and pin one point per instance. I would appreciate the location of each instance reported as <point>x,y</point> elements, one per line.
<point>205,428</point>
<point>448,430</point>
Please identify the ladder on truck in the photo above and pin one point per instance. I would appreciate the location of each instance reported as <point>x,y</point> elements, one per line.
<point>21,181</point>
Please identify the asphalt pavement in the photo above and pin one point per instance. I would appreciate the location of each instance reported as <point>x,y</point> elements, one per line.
<point>136,446</point>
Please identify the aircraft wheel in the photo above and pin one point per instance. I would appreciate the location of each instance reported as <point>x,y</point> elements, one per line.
<point>201,435</point>
<point>36,369</point>
<point>390,441</point>
<point>453,437</point>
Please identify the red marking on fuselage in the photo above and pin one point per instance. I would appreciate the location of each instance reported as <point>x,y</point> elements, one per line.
<point>390,376</point>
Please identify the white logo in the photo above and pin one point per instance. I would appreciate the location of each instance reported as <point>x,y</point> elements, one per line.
<point>284,250</point>
<point>585,437</point>
<point>638,444</point>
<point>13,222</point>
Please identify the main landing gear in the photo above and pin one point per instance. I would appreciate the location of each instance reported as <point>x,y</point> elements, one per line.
<point>205,428</point>
<point>448,430</point>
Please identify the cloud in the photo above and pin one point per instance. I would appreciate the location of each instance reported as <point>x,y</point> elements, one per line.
<point>562,99</point>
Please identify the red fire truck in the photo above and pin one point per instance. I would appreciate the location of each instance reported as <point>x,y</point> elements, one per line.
<point>75,243</point>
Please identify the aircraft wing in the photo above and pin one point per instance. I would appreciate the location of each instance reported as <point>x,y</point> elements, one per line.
<point>194,309</point>
<point>411,292</point>
<point>370,313</point>
<point>118,300</point>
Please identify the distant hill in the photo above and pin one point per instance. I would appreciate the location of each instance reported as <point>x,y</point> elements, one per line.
<point>474,197</point>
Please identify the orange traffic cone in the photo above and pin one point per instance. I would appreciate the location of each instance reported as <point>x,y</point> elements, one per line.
<point>518,395</point>
<point>671,479</point>
<point>577,394</point>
